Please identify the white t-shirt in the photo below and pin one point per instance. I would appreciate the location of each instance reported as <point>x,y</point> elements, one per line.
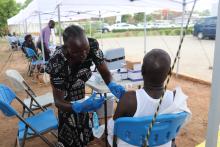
<point>146,106</point>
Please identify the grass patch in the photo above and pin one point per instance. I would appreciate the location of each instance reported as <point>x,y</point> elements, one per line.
<point>135,33</point>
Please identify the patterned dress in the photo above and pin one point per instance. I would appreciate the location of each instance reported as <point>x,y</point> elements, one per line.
<point>74,129</point>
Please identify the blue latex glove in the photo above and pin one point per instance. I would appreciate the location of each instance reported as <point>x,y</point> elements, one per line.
<point>116,89</point>
<point>90,104</point>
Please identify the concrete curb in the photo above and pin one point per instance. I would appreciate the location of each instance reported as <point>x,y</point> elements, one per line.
<point>193,79</point>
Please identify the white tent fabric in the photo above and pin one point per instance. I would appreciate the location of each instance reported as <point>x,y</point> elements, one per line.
<point>72,7</point>
<point>17,19</point>
<point>119,4</point>
<point>34,8</point>
<point>41,6</point>
<point>114,7</point>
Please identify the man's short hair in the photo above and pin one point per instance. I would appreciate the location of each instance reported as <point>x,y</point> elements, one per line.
<point>27,36</point>
<point>156,66</point>
<point>51,22</point>
<point>73,31</point>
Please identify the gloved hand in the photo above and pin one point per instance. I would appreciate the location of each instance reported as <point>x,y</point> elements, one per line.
<point>116,89</point>
<point>90,104</point>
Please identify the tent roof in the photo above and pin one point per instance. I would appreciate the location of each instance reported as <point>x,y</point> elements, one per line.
<point>73,9</point>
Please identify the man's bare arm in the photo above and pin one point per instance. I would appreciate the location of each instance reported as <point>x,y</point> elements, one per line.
<point>127,105</point>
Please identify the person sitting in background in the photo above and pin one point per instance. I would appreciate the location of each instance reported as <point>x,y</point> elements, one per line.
<point>13,41</point>
<point>144,101</point>
<point>16,38</point>
<point>28,43</point>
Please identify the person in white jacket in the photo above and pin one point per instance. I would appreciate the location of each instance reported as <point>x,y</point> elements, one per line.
<point>144,101</point>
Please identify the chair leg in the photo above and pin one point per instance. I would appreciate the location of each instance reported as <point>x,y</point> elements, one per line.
<point>16,142</point>
<point>46,140</point>
<point>106,121</point>
<point>54,133</point>
<point>114,141</point>
<point>32,69</point>
<point>31,103</point>
<point>29,70</point>
<point>25,135</point>
<point>173,143</point>
<point>23,111</point>
<point>22,143</point>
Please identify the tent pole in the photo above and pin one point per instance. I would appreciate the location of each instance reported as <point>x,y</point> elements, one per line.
<point>23,27</point>
<point>59,25</point>
<point>145,33</point>
<point>26,26</point>
<point>19,29</point>
<point>181,34</point>
<point>214,109</point>
<point>41,37</point>
<point>90,27</point>
<point>23,30</point>
<point>100,20</point>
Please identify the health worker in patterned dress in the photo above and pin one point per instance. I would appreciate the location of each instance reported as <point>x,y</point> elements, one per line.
<point>69,69</point>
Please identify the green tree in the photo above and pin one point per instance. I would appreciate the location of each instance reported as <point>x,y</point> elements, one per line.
<point>205,13</point>
<point>110,20</point>
<point>126,18</point>
<point>26,3</point>
<point>149,18</point>
<point>8,8</point>
<point>139,17</point>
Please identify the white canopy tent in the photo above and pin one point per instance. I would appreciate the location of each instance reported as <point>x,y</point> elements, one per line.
<point>85,9</point>
<point>109,8</point>
<point>42,8</point>
<point>74,10</point>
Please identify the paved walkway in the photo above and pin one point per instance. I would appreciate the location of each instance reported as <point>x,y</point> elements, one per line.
<point>196,55</point>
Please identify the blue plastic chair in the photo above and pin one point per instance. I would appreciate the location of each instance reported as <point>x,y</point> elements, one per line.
<point>133,130</point>
<point>34,60</point>
<point>30,52</point>
<point>32,55</point>
<point>34,125</point>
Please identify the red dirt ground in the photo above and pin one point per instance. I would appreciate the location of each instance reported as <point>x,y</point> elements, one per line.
<point>191,135</point>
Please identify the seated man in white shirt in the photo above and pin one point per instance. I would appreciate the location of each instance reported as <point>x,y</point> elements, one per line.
<point>144,102</point>
<point>13,40</point>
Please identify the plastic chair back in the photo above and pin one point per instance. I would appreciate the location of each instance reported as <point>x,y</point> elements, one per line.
<point>16,79</point>
<point>30,52</point>
<point>6,97</point>
<point>133,130</point>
